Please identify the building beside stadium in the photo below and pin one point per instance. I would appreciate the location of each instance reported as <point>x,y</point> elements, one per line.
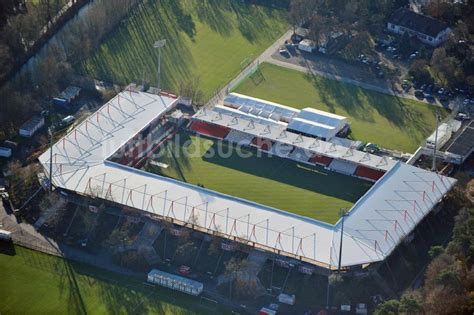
<point>97,158</point>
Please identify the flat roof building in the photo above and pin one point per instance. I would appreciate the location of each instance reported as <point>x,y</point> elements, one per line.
<point>29,128</point>
<point>463,145</point>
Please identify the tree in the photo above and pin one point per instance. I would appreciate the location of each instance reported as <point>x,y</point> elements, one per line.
<point>405,47</point>
<point>190,88</point>
<point>362,43</point>
<point>22,181</point>
<point>45,7</point>
<point>241,281</point>
<point>462,244</point>
<point>419,71</point>
<point>297,13</point>
<point>390,307</point>
<point>318,28</point>
<point>435,251</point>
<point>9,8</point>
<point>185,252</point>
<point>409,304</point>
<point>131,259</point>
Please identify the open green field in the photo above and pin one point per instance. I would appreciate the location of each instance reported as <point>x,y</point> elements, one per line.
<point>280,183</point>
<point>208,41</point>
<point>389,121</point>
<point>35,283</point>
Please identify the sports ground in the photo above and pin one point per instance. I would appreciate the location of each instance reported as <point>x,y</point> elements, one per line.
<point>207,41</point>
<point>276,182</point>
<point>35,283</point>
<point>389,121</point>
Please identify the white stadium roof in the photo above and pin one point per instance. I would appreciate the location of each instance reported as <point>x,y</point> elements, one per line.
<point>375,225</point>
<point>312,128</point>
<point>309,121</point>
<point>317,123</point>
<point>279,134</point>
<point>259,107</point>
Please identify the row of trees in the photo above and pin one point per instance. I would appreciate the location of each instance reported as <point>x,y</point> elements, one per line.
<point>21,24</point>
<point>52,68</point>
<point>449,278</point>
<point>448,66</point>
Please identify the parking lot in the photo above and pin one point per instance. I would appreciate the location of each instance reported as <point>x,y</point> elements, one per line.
<point>382,72</point>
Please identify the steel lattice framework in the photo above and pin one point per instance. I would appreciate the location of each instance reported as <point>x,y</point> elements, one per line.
<point>375,225</point>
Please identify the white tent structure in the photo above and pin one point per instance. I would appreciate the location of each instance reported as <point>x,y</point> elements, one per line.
<point>377,223</point>
<point>317,123</point>
<point>308,121</point>
<point>260,108</point>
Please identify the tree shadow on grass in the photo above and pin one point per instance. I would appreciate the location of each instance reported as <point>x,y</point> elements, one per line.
<point>250,20</point>
<point>360,104</point>
<point>128,53</point>
<point>184,20</point>
<point>213,14</point>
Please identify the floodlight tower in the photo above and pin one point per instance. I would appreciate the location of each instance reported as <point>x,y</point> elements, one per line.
<point>438,118</point>
<point>343,215</point>
<point>158,45</point>
<point>50,131</point>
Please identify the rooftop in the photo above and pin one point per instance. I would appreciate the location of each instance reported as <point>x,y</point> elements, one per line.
<point>464,143</point>
<point>279,134</point>
<point>417,22</point>
<point>376,224</point>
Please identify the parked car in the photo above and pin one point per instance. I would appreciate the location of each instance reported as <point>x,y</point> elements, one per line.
<point>184,270</point>
<point>65,122</point>
<point>462,116</point>
<point>419,94</point>
<point>68,120</point>
<point>283,51</point>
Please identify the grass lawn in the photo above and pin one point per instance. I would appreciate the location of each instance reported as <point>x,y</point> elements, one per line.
<point>35,283</point>
<point>389,121</point>
<point>280,183</point>
<point>206,40</point>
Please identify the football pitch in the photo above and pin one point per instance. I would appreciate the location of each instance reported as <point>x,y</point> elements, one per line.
<point>206,41</point>
<point>309,191</point>
<point>389,121</point>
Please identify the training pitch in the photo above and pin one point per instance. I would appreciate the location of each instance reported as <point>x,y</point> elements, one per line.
<point>206,41</point>
<point>389,121</point>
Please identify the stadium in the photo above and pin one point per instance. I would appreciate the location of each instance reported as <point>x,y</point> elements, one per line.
<point>111,156</point>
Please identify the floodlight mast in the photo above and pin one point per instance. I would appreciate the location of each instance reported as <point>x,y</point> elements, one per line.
<point>438,118</point>
<point>50,130</point>
<point>158,45</point>
<point>343,215</point>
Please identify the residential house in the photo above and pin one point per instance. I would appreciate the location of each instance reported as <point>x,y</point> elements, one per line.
<point>427,29</point>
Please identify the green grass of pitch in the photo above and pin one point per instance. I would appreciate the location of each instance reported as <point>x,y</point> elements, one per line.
<point>206,40</point>
<point>280,183</point>
<point>36,283</point>
<point>389,121</point>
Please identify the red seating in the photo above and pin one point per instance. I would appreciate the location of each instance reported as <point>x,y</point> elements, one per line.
<point>210,130</point>
<point>263,144</point>
<point>320,159</point>
<point>369,173</point>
